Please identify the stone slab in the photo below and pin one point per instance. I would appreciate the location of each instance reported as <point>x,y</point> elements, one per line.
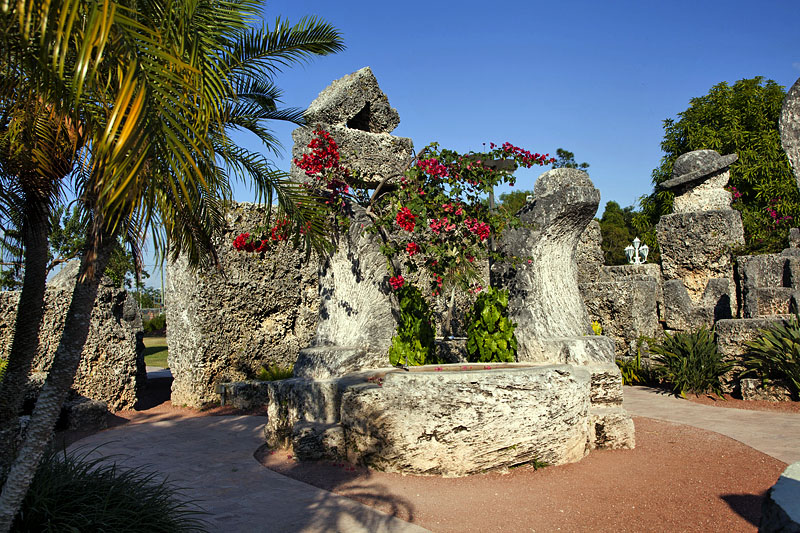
<point>224,325</point>
<point>733,334</point>
<point>625,309</point>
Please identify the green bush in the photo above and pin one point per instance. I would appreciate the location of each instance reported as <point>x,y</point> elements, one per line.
<point>275,373</point>
<point>490,333</point>
<point>633,371</point>
<point>775,355</point>
<point>413,345</point>
<point>690,362</point>
<point>3,365</point>
<point>72,492</point>
<point>157,323</point>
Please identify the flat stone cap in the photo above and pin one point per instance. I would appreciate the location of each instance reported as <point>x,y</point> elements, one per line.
<point>695,167</point>
<point>355,101</point>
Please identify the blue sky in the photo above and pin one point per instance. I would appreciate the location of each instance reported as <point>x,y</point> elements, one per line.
<point>596,78</point>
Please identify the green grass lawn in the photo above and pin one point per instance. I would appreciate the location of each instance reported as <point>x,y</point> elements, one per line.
<point>155,351</point>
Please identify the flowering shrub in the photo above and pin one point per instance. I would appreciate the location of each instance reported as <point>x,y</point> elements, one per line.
<point>250,243</point>
<point>769,226</point>
<point>437,219</point>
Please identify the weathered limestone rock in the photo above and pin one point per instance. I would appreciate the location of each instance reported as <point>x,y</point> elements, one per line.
<point>112,358</point>
<point>770,284</point>
<point>374,155</point>
<point>753,389</point>
<point>225,325</point>
<point>697,240</point>
<point>356,320</point>
<point>732,335</point>
<point>625,309</point>
<point>698,181</point>
<point>544,299</point>
<point>789,125</point>
<point>85,414</point>
<point>682,314</point>
<point>589,253</point>
<point>780,512</point>
<point>358,116</point>
<point>452,419</point>
<point>697,247</point>
<point>299,400</point>
<point>455,423</point>
<point>356,101</point>
<point>611,428</point>
<point>313,441</point>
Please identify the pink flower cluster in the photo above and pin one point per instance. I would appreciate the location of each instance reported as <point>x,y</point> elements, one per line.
<point>481,229</point>
<point>406,219</point>
<point>776,218</point>
<point>526,159</point>
<point>455,209</point>
<point>396,282</point>
<point>433,168</point>
<point>441,224</point>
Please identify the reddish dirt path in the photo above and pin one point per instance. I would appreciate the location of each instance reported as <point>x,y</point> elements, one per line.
<point>678,478</point>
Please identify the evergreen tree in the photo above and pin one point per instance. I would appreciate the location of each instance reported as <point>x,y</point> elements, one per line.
<point>742,118</point>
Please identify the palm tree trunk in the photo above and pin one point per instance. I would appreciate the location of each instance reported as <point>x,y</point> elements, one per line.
<point>55,389</point>
<point>25,344</point>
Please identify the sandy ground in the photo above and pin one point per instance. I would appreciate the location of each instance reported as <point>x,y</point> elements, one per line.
<point>678,478</point>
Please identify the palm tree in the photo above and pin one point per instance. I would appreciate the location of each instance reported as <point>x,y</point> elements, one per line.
<point>151,147</point>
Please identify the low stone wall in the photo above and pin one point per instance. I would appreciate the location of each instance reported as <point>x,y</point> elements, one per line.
<point>113,357</point>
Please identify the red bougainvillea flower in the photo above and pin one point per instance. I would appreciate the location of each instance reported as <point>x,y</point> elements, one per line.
<point>406,219</point>
<point>481,229</point>
<point>240,242</point>
<point>396,282</point>
<point>432,167</point>
<point>412,248</point>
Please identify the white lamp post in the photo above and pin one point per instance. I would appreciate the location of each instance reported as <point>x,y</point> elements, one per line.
<point>637,254</point>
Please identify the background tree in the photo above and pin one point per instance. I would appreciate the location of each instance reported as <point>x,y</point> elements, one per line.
<point>148,297</point>
<point>741,118</point>
<point>512,202</point>
<point>618,230</point>
<point>566,159</point>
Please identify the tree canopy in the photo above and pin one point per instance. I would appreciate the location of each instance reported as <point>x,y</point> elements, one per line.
<point>741,118</point>
<point>566,159</point>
